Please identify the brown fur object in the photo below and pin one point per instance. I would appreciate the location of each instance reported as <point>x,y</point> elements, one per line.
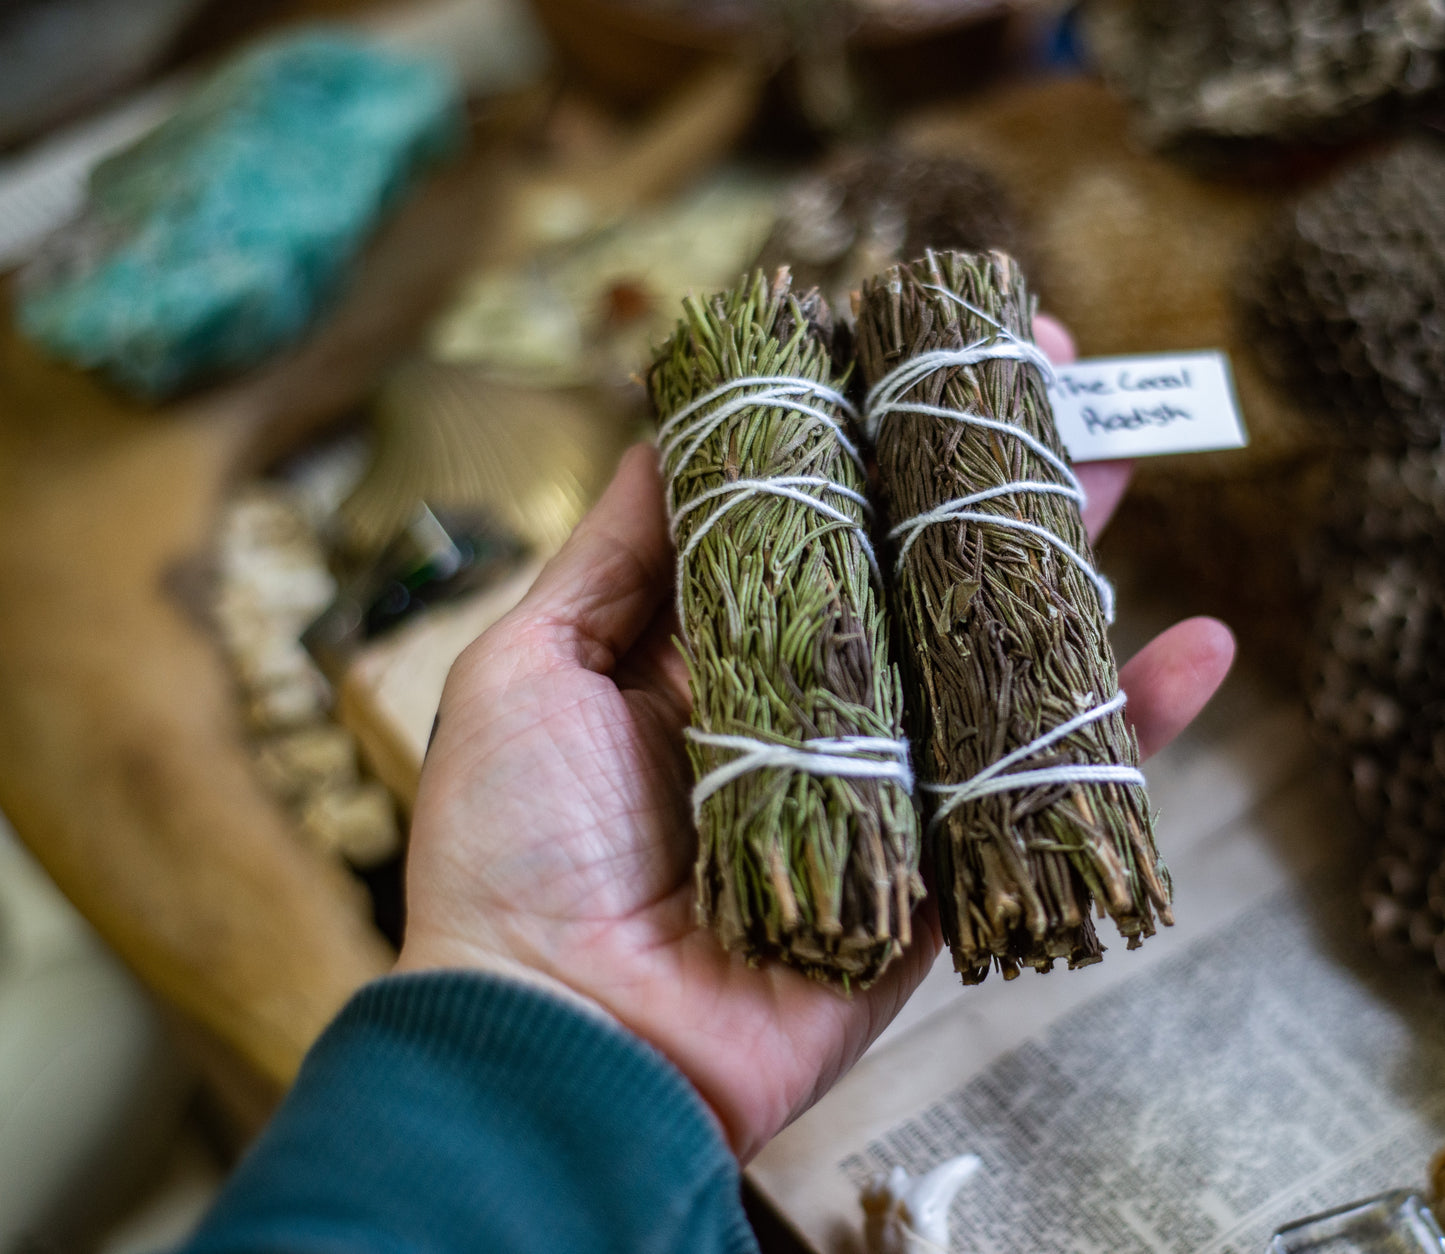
<point>862,211</point>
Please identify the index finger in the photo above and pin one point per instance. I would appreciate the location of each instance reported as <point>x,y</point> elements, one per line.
<point>1104,482</point>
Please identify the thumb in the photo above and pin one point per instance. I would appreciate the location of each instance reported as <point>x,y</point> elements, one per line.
<point>599,593</point>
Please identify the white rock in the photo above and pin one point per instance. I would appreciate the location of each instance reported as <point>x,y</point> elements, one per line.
<point>906,1214</point>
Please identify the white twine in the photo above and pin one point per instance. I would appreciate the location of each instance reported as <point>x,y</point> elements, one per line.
<point>958,511</point>
<point>939,360</point>
<point>882,400</point>
<point>851,757</point>
<point>997,778</point>
<point>693,427</point>
<point>1039,359</point>
<point>737,491</point>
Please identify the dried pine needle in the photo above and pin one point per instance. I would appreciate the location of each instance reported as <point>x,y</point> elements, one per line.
<point>803,855</point>
<point>1003,633</point>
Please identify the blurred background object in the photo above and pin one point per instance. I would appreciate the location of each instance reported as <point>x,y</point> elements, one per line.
<point>863,210</point>
<point>92,1090</point>
<point>446,435</point>
<point>1342,296</point>
<point>492,46</point>
<point>845,52</point>
<point>585,312</point>
<point>62,57</point>
<point>1293,71</point>
<point>218,237</point>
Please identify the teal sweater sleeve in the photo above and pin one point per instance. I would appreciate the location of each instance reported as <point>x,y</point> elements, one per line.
<point>455,1112</point>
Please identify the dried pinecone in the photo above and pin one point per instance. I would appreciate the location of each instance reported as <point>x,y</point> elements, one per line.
<point>862,212</point>
<point>1316,70</point>
<point>1344,297</point>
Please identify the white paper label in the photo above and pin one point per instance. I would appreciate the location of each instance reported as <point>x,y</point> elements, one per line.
<point>1141,406</point>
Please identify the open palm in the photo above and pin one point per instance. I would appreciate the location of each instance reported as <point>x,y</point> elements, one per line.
<point>553,834</point>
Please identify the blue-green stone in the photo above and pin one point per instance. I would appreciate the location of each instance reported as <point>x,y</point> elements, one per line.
<point>218,237</point>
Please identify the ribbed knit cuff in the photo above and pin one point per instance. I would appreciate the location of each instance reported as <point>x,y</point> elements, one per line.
<point>453,1111</point>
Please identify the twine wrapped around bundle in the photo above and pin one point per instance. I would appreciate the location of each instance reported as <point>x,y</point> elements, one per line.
<point>1037,805</point>
<point>808,837</point>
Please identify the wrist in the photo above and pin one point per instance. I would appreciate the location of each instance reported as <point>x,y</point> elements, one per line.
<point>436,954</point>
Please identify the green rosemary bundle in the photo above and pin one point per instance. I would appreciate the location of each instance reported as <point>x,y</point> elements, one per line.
<point>1036,801</point>
<point>808,838</point>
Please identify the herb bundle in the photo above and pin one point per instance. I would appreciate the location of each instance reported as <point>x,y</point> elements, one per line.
<point>808,837</point>
<point>1022,743</point>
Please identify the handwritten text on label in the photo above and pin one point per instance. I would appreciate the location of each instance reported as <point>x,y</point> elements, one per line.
<point>1139,406</point>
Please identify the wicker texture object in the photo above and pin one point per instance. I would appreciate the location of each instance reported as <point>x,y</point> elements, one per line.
<point>1343,298</point>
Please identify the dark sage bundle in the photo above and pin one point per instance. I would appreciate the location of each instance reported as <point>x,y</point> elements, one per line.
<point>808,839</point>
<point>1037,808</point>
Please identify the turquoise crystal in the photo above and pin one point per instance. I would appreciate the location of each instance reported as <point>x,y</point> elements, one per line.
<point>219,237</point>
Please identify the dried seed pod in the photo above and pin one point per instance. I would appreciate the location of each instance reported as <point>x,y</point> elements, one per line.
<point>1377,693</point>
<point>808,840</point>
<point>1344,297</point>
<point>1268,69</point>
<point>1038,806</point>
<point>1389,501</point>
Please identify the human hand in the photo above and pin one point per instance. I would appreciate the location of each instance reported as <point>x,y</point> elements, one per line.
<point>553,837</point>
